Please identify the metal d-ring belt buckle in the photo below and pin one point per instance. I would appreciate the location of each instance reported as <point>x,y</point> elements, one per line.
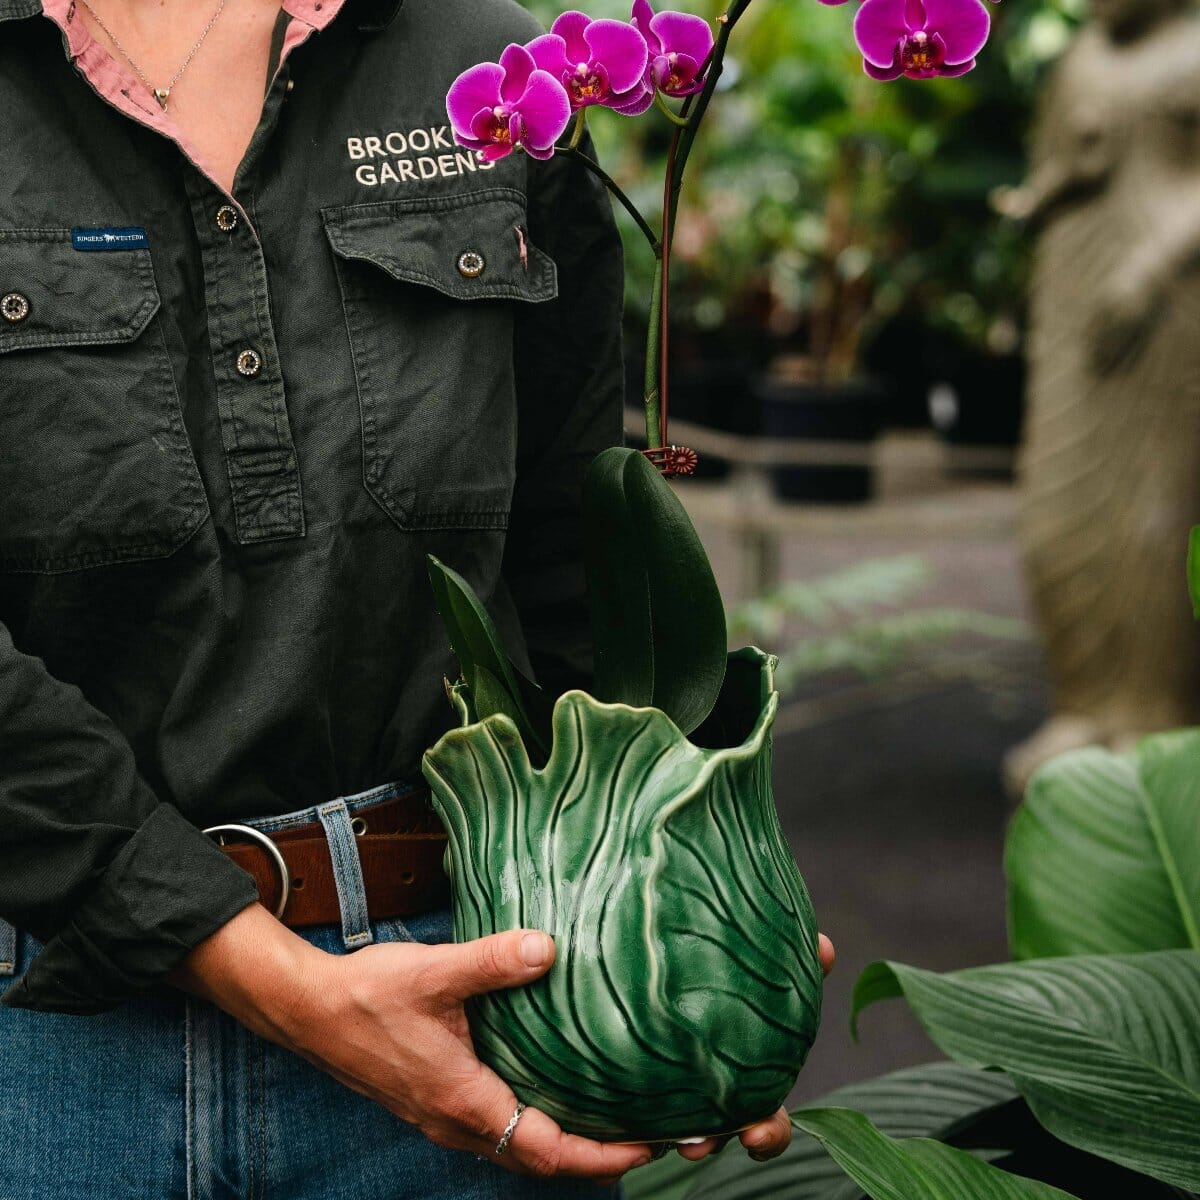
<point>255,835</point>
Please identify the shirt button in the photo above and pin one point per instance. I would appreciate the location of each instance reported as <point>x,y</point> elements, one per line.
<point>291,83</point>
<point>15,307</point>
<point>471,264</point>
<point>227,218</point>
<point>249,363</point>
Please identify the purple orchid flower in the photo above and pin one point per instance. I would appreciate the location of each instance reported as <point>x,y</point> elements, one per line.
<point>495,107</point>
<point>597,62</point>
<point>921,39</point>
<point>679,45</point>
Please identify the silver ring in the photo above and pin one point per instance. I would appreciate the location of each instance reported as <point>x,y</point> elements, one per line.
<point>506,1136</point>
<point>285,877</point>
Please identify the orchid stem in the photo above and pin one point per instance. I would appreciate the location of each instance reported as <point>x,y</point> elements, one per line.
<point>579,130</point>
<point>608,181</point>
<point>668,112</point>
<point>651,395</point>
<point>687,122</point>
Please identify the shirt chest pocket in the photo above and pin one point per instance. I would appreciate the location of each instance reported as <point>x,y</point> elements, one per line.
<point>431,288</point>
<point>95,465</point>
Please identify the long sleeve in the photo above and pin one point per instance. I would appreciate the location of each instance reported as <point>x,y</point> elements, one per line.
<point>118,885</point>
<point>570,382</point>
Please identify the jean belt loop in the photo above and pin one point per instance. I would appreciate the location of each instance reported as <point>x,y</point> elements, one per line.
<point>347,873</point>
<point>8,949</point>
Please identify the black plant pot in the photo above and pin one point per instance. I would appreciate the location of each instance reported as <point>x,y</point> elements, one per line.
<point>822,412</point>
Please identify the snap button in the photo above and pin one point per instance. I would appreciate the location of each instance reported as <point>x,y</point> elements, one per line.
<point>15,307</point>
<point>227,218</point>
<point>291,83</point>
<point>249,363</point>
<point>471,264</point>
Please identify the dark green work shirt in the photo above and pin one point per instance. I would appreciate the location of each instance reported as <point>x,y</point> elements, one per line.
<point>231,427</point>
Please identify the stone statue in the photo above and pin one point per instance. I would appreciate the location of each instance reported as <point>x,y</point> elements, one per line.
<point>1111,464</point>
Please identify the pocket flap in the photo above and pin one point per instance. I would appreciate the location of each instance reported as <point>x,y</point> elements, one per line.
<point>472,246</point>
<point>69,297</point>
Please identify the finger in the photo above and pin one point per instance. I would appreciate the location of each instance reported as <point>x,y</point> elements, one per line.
<point>541,1148</point>
<point>695,1151</point>
<point>503,960</point>
<point>826,952</point>
<point>768,1138</point>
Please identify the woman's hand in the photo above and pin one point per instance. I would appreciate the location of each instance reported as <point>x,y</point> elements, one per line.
<point>388,1021</point>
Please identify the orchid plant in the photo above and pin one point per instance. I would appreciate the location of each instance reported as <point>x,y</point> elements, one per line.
<point>657,618</point>
<point>529,99</point>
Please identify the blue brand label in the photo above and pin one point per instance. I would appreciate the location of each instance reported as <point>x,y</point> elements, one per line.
<point>133,238</point>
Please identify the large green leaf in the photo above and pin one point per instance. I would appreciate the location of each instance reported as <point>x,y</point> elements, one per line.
<point>657,617</point>
<point>937,1100</point>
<point>1105,1049</point>
<point>962,1106</point>
<point>1104,855</point>
<point>495,682</point>
<point>912,1169</point>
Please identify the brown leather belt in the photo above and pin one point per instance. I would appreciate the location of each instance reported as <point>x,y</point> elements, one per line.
<point>401,844</point>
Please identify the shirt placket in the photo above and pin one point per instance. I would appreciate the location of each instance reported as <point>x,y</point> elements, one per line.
<point>260,455</point>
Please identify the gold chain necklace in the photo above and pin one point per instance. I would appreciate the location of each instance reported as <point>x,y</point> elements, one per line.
<point>162,95</point>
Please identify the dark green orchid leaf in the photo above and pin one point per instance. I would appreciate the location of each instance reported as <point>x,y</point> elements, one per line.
<point>618,591</point>
<point>495,683</point>
<point>1105,1049</point>
<point>912,1168</point>
<point>1104,855</point>
<point>490,697</point>
<point>657,616</point>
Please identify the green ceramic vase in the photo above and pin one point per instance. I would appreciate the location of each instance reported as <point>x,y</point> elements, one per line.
<point>686,990</point>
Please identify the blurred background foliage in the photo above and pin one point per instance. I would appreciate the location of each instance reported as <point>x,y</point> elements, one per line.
<point>839,219</point>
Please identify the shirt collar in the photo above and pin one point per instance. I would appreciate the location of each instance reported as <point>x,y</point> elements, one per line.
<point>372,15</point>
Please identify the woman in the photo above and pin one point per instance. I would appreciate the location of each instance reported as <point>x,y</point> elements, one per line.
<point>257,357</point>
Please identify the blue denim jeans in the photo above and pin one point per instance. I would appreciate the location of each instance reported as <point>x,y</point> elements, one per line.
<point>167,1098</point>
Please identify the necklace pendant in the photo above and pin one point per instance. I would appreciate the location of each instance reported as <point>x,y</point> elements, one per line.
<point>162,95</point>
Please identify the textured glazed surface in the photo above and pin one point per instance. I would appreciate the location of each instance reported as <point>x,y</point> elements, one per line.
<point>686,991</point>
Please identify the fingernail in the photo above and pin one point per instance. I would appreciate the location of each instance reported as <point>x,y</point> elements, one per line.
<point>535,949</point>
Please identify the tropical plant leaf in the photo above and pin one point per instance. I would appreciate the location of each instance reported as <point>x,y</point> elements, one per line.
<point>937,1100</point>
<point>1105,1049</point>
<point>914,1168</point>
<point>961,1106</point>
<point>478,647</point>
<point>669,1178</point>
<point>1104,855</point>
<point>657,617</point>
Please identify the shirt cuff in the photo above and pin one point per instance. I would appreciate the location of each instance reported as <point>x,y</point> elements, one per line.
<point>168,889</point>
